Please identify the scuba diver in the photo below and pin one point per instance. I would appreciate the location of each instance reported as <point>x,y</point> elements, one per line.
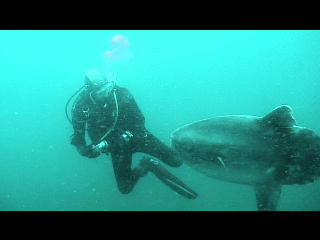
<point>114,123</point>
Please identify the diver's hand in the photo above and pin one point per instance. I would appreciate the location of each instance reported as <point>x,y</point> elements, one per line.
<point>102,146</point>
<point>92,151</point>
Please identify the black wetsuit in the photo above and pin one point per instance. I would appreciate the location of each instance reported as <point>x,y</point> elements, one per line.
<point>98,117</point>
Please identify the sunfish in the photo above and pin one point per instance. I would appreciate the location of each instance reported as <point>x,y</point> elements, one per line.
<point>264,152</point>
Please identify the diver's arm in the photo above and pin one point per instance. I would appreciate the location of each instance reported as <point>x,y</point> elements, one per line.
<point>78,138</point>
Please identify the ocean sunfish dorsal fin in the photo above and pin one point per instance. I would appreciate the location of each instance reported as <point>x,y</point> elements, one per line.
<point>280,117</point>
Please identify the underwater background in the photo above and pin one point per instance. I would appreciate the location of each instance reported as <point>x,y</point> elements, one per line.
<point>176,77</point>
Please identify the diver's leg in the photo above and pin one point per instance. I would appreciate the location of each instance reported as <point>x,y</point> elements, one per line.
<point>149,164</point>
<point>125,176</point>
<point>153,146</point>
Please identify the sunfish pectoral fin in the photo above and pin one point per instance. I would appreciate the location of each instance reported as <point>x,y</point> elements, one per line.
<point>267,196</point>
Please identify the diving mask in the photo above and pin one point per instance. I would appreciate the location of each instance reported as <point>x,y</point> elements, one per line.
<point>94,79</point>
<point>103,91</point>
<point>97,85</point>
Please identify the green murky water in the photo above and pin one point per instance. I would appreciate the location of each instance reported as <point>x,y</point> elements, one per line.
<point>176,77</point>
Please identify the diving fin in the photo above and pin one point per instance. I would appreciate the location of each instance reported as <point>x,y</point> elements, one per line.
<point>169,179</point>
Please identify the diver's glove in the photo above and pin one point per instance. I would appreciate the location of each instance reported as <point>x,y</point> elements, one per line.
<point>103,146</point>
<point>95,150</point>
<point>90,151</point>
